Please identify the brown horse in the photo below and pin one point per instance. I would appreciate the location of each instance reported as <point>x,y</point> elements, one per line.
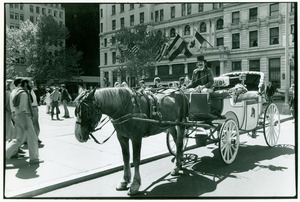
<point>119,102</point>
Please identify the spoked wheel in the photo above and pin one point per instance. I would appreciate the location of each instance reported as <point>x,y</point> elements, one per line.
<point>271,125</point>
<point>171,144</point>
<point>229,141</point>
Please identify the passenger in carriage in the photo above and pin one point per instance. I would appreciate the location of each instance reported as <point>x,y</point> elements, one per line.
<point>202,78</point>
<point>157,83</point>
<point>181,82</point>
<point>142,84</point>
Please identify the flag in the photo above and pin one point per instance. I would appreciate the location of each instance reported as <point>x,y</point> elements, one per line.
<point>161,52</point>
<point>194,45</point>
<point>176,47</point>
<point>132,51</point>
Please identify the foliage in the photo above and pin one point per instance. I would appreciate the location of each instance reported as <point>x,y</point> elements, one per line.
<point>148,42</point>
<point>37,50</point>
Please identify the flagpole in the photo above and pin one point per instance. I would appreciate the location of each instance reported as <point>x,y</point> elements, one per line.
<point>204,39</point>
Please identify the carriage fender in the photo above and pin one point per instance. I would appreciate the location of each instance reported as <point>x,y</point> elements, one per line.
<point>232,115</point>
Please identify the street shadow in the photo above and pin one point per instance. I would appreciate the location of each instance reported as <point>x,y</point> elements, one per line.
<point>203,174</point>
<point>25,170</point>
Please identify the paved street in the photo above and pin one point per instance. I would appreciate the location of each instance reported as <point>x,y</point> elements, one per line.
<point>68,162</point>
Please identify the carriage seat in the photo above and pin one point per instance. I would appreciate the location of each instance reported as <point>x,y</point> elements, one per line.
<point>248,96</point>
<point>219,94</point>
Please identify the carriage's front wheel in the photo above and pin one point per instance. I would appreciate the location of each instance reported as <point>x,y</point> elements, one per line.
<point>229,141</point>
<point>171,144</point>
<point>271,125</point>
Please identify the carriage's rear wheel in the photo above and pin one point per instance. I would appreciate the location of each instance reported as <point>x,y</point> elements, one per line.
<point>229,141</point>
<point>271,125</point>
<point>171,144</point>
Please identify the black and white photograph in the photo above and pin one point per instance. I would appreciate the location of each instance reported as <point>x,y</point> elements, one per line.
<point>149,100</point>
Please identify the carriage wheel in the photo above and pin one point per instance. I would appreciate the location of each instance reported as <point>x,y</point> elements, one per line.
<point>171,144</point>
<point>229,141</point>
<point>271,125</point>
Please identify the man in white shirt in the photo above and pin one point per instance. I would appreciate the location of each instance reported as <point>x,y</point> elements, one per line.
<point>35,111</point>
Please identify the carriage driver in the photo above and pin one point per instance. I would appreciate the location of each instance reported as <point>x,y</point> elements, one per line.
<point>202,78</point>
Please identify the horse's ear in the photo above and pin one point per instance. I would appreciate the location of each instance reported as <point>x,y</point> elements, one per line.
<point>91,94</point>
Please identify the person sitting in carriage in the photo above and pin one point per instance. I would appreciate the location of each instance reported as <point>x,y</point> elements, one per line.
<point>202,78</point>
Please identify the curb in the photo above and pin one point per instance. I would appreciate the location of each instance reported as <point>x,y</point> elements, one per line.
<point>67,181</point>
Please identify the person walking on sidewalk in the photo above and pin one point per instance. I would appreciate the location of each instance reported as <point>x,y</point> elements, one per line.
<point>270,92</point>
<point>65,97</point>
<point>23,124</point>
<point>8,114</point>
<point>48,101</point>
<point>56,98</point>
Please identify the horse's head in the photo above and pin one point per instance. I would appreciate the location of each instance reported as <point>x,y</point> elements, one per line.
<point>87,115</point>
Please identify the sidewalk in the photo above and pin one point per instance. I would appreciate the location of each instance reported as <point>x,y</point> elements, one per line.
<point>68,161</point>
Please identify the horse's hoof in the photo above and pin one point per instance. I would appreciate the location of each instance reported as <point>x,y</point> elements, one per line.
<point>122,186</point>
<point>175,172</point>
<point>134,189</point>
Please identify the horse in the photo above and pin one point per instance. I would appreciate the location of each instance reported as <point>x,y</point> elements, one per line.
<point>118,103</point>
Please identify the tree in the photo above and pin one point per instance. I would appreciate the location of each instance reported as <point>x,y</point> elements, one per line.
<point>37,50</point>
<point>148,43</point>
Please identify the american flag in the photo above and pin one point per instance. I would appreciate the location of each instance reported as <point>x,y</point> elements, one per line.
<point>161,52</point>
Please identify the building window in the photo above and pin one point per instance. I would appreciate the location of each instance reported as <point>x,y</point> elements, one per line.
<point>55,13</point>
<point>113,24</point>
<point>203,27</point>
<point>131,6</point>
<point>183,9</point>
<point>22,17</point>
<point>16,16</point>
<point>235,41</point>
<point>11,27</point>
<point>187,30</point>
<point>37,9</point>
<point>31,8</point>
<point>151,15</point>
<point>156,16</point>
<point>220,23</point>
<point>101,13</point>
<point>11,5</point>
<point>101,27</point>
<point>49,11</point>
<point>105,58</point>
<point>122,22</point>
<point>21,6</point>
<point>274,9</point>
<point>253,14</point>
<point>172,32</point>
<point>114,58</point>
<point>132,20</point>
<point>237,66</point>
<point>11,15</point>
<point>172,12</point>
<point>141,5</point>
<point>253,39</point>
<point>113,10</point>
<point>60,14</point>
<point>274,35</point>
<point>161,15</point>
<point>274,71</point>
<point>189,8</point>
<point>113,40</point>
<point>142,17</point>
<point>200,7</point>
<point>43,10</point>
<point>254,65</point>
<point>105,42</point>
<point>236,17</point>
<point>31,19</point>
<point>220,5</point>
<point>121,8</point>
<point>292,32</point>
<point>215,5</point>
<point>220,41</point>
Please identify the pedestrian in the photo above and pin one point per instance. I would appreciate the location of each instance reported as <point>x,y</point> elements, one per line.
<point>65,97</point>
<point>55,101</point>
<point>21,105</point>
<point>8,113</point>
<point>48,100</point>
<point>270,92</point>
<point>35,109</point>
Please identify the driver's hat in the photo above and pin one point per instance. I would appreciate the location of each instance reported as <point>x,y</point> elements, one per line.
<point>201,58</point>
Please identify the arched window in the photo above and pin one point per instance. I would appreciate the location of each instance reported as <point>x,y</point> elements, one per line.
<point>187,30</point>
<point>203,27</point>
<point>172,32</point>
<point>220,24</point>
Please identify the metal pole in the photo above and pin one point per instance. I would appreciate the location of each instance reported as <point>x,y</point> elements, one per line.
<point>285,109</point>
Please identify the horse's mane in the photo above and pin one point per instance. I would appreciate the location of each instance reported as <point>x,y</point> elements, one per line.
<point>81,97</point>
<point>113,97</point>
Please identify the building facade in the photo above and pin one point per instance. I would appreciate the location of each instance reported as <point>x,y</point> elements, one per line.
<point>241,36</point>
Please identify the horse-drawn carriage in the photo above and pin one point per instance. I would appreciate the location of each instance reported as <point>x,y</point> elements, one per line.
<point>236,105</point>
<point>238,100</point>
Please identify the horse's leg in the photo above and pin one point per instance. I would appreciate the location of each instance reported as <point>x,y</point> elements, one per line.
<point>136,183</point>
<point>124,142</point>
<point>179,153</point>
